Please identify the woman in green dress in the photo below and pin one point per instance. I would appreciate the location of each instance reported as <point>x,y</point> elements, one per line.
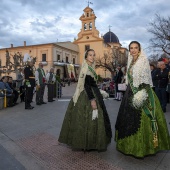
<point>86,124</point>
<point>141,127</point>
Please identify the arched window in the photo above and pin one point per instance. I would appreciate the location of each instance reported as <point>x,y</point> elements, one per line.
<point>67,59</point>
<point>74,61</point>
<point>58,57</point>
<point>85,26</point>
<point>90,25</point>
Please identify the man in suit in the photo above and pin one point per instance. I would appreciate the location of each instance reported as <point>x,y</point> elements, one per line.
<point>40,84</point>
<point>50,77</point>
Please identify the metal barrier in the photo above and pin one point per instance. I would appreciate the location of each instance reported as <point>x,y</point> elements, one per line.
<point>58,89</point>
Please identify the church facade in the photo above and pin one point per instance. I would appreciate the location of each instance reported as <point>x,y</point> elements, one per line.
<point>88,37</point>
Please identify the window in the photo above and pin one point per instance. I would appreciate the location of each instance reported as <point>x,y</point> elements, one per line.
<point>58,57</point>
<point>87,47</point>
<point>58,72</point>
<point>74,61</point>
<point>87,14</point>
<point>43,57</point>
<point>90,26</point>
<point>67,59</point>
<point>85,26</point>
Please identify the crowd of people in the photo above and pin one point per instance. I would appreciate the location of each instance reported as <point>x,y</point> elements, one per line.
<point>140,127</point>
<point>111,85</point>
<point>160,74</point>
<point>30,80</point>
<point>8,89</point>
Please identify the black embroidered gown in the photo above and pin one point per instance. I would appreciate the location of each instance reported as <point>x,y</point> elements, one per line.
<point>134,135</point>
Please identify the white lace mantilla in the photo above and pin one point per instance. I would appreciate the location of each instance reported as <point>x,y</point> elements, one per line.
<point>141,72</point>
<point>80,85</point>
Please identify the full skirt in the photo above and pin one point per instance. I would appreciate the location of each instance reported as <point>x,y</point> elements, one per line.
<point>79,130</point>
<point>134,134</point>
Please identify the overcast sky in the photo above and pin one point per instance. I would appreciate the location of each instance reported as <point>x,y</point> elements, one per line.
<point>45,21</point>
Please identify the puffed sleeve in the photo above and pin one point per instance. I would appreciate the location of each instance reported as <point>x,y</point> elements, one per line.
<point>88,84</point>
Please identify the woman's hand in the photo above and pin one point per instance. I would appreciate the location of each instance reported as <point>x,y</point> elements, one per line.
<point>93,104</point>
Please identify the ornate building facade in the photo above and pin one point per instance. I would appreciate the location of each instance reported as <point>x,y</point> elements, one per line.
<point>88,37</point>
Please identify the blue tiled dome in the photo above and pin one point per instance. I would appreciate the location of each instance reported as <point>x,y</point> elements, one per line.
<point>110,37</point>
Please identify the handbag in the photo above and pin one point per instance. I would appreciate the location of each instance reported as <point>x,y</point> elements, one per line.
<point>122,87</point>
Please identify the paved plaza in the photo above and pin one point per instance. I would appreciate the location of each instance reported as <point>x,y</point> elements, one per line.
<point>28,140</point>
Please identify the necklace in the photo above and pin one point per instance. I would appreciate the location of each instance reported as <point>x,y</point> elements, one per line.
<point>134,60</point>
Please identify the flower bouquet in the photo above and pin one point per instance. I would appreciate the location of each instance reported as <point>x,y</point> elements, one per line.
<point>139,99</point>
<point>104,94</point>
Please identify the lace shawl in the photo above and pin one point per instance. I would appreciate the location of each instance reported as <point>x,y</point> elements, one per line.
<point>80,85</point>
<point>141,72</point>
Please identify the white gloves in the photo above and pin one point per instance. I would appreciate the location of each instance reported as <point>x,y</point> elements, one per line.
<point>94,114</point>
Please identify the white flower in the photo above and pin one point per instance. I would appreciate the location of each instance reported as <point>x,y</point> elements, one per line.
<point>104,94</point>
<point>139,98</point>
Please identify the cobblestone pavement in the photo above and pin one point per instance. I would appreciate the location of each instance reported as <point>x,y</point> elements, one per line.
<point>28,140</point>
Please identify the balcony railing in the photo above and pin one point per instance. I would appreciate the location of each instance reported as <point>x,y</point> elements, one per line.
<point>57,63</point>
<point>44,63</point>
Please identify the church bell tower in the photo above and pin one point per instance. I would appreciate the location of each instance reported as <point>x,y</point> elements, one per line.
<point>88,30</point>
<point>88,37</point>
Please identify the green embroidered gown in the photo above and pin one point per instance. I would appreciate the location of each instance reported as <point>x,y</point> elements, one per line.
<point>79,130</point>
<point>135,128</point>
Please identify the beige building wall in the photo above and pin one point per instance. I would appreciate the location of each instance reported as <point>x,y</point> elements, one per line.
<point>99,49</point>
<point>50,50</point>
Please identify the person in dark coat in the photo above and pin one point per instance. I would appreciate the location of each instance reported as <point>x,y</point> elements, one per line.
<point>118,80</point>
<point>15,92</point>
<point>153,71</point>
<point>29,84</point>
<point>161,82</point>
